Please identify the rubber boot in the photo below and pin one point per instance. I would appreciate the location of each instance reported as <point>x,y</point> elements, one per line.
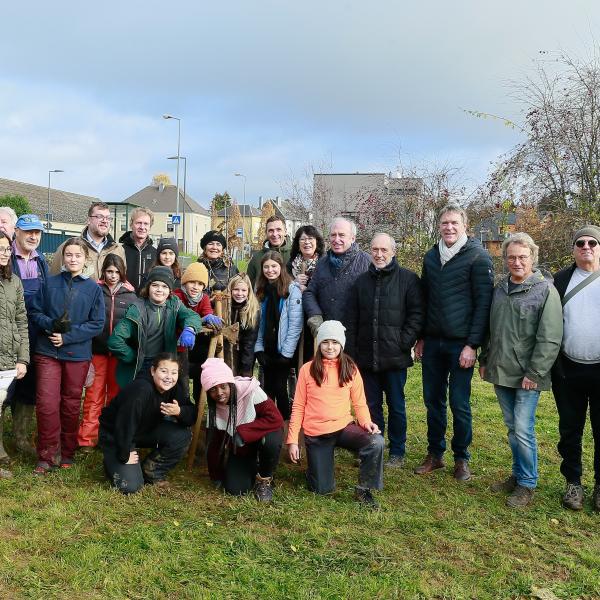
<point>22,420</point>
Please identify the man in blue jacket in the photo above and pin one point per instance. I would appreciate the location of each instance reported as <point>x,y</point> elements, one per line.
<point>457,282</point>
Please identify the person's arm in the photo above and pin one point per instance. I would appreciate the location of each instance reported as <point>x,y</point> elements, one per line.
<point>310,296</point>
<point>128,420</point>
<point>359,400</point>
<point>22,327</point>
<point>205,306</point>
<point>188,318</point>
<point>352,321</point>
<point>415,312</point>
<point>482,286</point>
<point>298,406</point>
<point>295,318</point>
<point>93,326</point>
<point>125,331</point>
<point>268,419</point>
<point>37,310</point>
<point>247,340</point>
<point>252,270</point>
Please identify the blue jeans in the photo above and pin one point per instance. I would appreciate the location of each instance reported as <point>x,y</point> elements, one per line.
<point>518,409</point>
<point>442,373</point>
<point>392,383</point>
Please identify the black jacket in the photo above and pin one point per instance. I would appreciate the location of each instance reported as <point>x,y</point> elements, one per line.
<point>115,308</point>
<point>139,261</point>
<point>243,351</point>
<point>384,318</point>
<point>562,278</point>
<point>219,274</point>
<point>459,294</point>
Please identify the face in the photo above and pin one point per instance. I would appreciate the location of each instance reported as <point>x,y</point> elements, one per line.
<point>330,349</point>
<point>276,233</point>
<point>28,240</point>
<point>112,275</point>
<point>4,252</point>
<point>271,270</point>
<point>193,288</point>
<point>340,237</point>
<point>240,292</point>
<point>519,262</point>
<point>99,222</point>
<point>158,292</point>
<point>6,225</point>
<point>220,393</point>
<point>586,256</point>
<point>381,251</point>
<point>452,227</point>
<point>140,228</point>
<point>213,250</point>
<point>167,258</point>
<point>308,245</point>
<point>165,375</point>
<point>74,259</point>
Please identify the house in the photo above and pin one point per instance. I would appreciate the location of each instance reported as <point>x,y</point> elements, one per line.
<point>250,223</point>
<point>492,231</point>
<point>292,216</point>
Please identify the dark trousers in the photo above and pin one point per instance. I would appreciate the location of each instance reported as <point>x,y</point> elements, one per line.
<point>442,374</point>
<point>392,383</point>
<point>276,387</point>
<point>23,390</point>
<point>169,441</point>
<point>576,386</point>
<point>320,454</point>
<point>261,457</point>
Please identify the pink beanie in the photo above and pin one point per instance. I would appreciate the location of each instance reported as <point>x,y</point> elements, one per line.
<point>214,372</point>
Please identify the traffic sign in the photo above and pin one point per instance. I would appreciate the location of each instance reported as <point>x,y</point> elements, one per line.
<point>239,232</point>
<point>176,219</point>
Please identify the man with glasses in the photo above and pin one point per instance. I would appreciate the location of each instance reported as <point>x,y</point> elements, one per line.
<point>576,374</point>
<point>98,240</point>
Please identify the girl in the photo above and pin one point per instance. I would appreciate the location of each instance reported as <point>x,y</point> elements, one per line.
<point>220,269</point>
<point>118,295</point>
<point>245,432</point>
<point>69,311</point>
<point>136,418</point>
<point>167,253</point>
<point>327,386</point>
<point>245,310</point>
<point>280,327</point>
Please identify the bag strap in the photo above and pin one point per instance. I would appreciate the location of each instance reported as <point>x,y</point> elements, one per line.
<point>590,279</point>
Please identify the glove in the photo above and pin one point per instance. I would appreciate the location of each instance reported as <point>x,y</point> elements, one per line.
<point>187,339</point>
<point>314,323</point>
<point>213,321</point>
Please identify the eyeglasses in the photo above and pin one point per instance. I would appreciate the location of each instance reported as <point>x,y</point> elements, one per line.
<point>514,259</point>
<point>101,218</point>
<point>582,243</point>
<point>5,249</point>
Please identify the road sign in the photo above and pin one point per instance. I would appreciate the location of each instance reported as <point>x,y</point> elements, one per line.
<point>239,232</point>
<point>176,219</point>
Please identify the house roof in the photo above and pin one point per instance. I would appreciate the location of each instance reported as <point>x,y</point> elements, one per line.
<point>66,207</point>
<point>489,228</point>
<point>163,199</point>
<point>245,210</point>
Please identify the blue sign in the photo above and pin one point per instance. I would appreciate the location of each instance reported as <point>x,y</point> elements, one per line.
<point>176,219</point>
<point>239,232</point>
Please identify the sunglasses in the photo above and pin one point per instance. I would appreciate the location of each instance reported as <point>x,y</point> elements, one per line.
<point>582,243</point>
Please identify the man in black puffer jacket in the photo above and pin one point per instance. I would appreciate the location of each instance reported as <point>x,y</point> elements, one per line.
<point>385,314</point>
<point>458,282</point>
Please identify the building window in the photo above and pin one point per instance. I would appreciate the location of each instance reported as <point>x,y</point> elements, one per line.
<point>170,226</point>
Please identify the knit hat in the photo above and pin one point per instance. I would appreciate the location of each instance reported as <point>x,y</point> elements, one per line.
<point>195,272</point>
<point>213,236</point>
<point>214,372</point>
<point>331,330</point>
<point>589,230</point>
<point>167,244</point>
<point>164,274</point>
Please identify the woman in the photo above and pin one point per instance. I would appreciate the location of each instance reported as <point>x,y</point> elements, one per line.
<point>146,414</point>
<point>220,269</point>
<point>14,336</point>
<point>118,295</point>
<point>167,254</point>
<point>69,311</point>
<point>525,336</point>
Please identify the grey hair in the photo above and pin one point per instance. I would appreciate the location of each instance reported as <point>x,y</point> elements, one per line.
<point>141,210</point>
<point>10,212</point>
<point>521,239</point>
<point>389,237</point>
<point>344,220</point>
<point>453,207</point>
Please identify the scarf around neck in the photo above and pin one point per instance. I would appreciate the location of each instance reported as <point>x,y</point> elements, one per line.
<point>448,253</point>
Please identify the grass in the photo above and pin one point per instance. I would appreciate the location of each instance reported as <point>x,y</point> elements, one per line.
<point>69,536</point>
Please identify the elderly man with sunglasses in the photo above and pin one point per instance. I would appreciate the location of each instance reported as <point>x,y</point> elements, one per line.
<point>576,374</point>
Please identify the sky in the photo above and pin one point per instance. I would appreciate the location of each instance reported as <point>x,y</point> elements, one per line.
<point>267,88</point>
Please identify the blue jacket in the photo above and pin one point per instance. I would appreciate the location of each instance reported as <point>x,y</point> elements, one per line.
<point>82,299</point>
<point>290,323</point>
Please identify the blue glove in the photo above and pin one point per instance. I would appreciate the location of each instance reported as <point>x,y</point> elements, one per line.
<point>187,339</point>
<point>213,321</point>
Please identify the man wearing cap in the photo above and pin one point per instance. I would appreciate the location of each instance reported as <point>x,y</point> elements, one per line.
<point>219,267</point>
<point>576,373</point>
<point>8,218</point>
<point>137,244</point>
<point>276,240</point>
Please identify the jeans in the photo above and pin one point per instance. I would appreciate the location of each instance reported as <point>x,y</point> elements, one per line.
<point>518,409</point>
<point>392,383</point>
<point>441,371</point>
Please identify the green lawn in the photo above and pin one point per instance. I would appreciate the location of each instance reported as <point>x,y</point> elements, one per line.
<point>69,536</point>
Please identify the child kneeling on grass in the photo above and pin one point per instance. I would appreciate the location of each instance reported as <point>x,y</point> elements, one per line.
<point>326,388</point>
<point>245,432</point>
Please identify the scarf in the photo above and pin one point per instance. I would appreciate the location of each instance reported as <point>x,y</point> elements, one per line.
<point>192,300</point>
<point>309,265</point>
<point>447,253</point>
<point>249,394</point>
<point>337,260</point>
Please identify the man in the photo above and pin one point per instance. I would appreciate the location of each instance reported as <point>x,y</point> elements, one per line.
<point>326,296</point>
<point>137,243</point>
<point>457,282</point>
<point>276,240</point>
<point>31,267</point>
<point>576,374</point>
<point>8,218</point>
<point>384,319</point>
<point>98,240</point>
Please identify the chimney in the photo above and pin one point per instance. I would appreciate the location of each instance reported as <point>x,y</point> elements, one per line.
<point>260,202</point>
<point>161,187</point>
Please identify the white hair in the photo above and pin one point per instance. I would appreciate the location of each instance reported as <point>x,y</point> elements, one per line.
<point>336,220</point>
<point>10,212</point>
<point>389,237</point>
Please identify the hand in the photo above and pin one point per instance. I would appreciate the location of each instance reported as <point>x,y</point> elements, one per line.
<point>170,409</point>
<point>527,384</point>
<point>134,459</point>
<point>294,452</point>
<point>302,279</point>
<point>56,339</point>
<point>314,323</point>
<point>419,349</point>
<point>21,370</point>
<point>187,339</point>
<point>482,372</point>
<point>467,357</point>
<point>371,427</point>
<point>213,321</point>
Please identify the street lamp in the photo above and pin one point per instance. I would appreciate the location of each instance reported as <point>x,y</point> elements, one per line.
<point>244,215</point>
<point>184,196</point>
<point>178,157</point>
<point>48,213</point>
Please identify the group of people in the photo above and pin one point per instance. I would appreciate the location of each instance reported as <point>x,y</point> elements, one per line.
<point>339,327</point>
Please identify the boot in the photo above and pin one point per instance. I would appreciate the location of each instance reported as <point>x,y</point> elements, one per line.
<point>22,420</point>
<point>263,488</point>
<point>3,455</point>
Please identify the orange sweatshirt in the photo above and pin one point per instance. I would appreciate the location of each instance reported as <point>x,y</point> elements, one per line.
<point>325,409</point>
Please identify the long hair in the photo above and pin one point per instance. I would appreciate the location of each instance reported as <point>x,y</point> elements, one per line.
<point>114,260</point>
<point>309,231</point>
<point>174,267</point>
<point>346,368</point>
<point>6,271</point>
<point>231,419</point>
<point>283,281</point>
<point>248,315</point>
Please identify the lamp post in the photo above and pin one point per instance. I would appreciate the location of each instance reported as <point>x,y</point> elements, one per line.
<point>166,116</point>
<point>244,215</point>
<point>184,159</point>
<point>48,213</point>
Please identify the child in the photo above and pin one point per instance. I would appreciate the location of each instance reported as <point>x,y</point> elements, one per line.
<point>167,253</point>
<point>245,310</point>
<point>245,432</point>
<point>327,386</point>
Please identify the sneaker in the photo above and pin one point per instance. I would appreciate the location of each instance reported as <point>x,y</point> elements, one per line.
<point>365,497</point>
<point>573,497</point>
<point>42,468</point>
<point>431,463</point>
<point>507,485</point>
<point>263,489</point>
<point>461,470</point>
<point>521,496</point>
<point>67,463</point>
<point>395,461</point>
<point>596,498</point>
<point>162,485</point>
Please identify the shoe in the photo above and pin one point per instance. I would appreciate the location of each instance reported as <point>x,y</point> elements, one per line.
<point>431,463</point>
<point>162,485</point>
<point>395,461</point>
<point>596,498</point>
<point>86,449</point>
<point>461,470</point>
<point>521,496</point>
<point>573,497</point>
<point>67,463</point>
<point>507,485</point>
<point>263,489</point>
<point>43,468</point>
<point>365,497</point>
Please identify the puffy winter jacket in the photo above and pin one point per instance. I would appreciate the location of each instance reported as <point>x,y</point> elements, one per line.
<point>139,260</point>
<point>14,339</point>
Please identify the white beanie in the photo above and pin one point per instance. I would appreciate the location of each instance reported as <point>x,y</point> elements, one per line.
<point>331,330</point>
